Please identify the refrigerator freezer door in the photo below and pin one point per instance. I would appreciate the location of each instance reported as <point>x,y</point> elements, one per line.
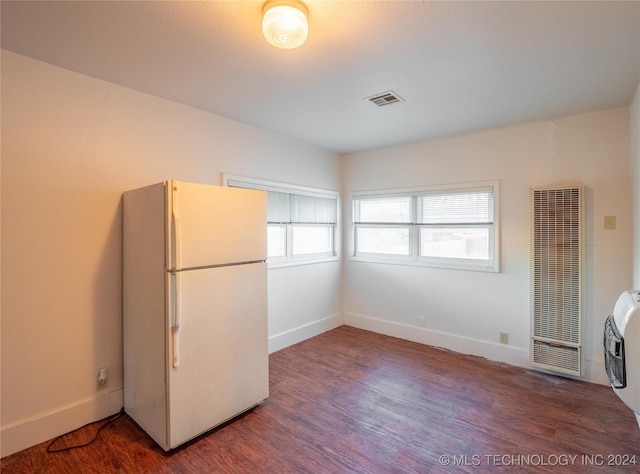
<point>224,365</point>
<point>215,225</point>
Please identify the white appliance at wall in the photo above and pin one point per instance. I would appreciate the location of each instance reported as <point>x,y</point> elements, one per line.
<point>622,349</point>
<point>195,307</point>
<point>557,237</point>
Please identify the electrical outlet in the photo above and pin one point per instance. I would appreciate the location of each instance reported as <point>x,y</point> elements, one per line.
<point>102,378</point>
<point>422,322</point>
<point>504,338</point>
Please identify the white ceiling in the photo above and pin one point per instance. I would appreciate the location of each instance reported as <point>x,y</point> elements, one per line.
<point>460,66</point>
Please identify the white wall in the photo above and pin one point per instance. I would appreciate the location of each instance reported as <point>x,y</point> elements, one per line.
<point>635,173</point>
<point>70,146</point>
<point>467,310</point>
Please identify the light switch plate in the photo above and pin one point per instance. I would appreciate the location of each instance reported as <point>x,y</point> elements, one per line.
<point>610,222</point>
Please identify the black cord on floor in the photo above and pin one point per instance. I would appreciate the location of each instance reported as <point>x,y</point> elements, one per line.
<point>108,420</point>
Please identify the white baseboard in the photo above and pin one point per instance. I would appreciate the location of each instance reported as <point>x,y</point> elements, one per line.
<point>595,371</point>
<point>299,334</point>
<point>465,345</point>
<point>27,433</point>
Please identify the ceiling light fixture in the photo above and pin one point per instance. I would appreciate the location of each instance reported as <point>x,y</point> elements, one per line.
<point>284,23</point>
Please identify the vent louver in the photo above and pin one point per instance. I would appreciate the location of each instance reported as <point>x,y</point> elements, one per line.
<point>557,256</point>
<point>385,98</point>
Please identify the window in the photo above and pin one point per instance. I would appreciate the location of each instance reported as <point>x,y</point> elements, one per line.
<point>452,227</point>
<point>302,222</point>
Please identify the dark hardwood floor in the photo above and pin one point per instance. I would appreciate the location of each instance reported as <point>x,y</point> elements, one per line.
<point>354,401</point>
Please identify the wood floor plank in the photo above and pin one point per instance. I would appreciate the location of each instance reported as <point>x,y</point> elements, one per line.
<point>351,401</point>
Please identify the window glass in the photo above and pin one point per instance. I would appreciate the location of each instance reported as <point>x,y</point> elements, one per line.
<point>309,239</point>
<point>383,240</point>
<point>276,241</point>
<point>452,242</point>
<point>449,227</point>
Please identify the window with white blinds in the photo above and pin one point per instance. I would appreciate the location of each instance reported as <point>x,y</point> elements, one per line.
<point>383,209</point>
<point>290,208</point>
<point>301,222</point>
<point>457,207</point>
<point>452,227</point>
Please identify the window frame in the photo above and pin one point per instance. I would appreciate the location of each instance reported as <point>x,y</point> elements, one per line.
<point>289,258</point>
<point>492,264</point>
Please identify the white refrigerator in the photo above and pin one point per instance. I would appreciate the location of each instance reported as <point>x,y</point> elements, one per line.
<point>195,307</point>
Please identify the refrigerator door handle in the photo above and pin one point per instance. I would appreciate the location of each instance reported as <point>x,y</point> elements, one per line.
<point>176,237</point>
<point>175,316</point>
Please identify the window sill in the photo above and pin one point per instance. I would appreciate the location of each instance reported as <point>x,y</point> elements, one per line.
<point>297,263</point>
<point>477,267</point>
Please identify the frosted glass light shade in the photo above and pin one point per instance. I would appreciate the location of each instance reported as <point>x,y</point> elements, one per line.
<point>284,24</point>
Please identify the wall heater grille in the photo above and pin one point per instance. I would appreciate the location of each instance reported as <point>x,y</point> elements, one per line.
<point>557,267</point>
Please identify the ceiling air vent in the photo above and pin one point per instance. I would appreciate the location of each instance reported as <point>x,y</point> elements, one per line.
<point>385,98</point>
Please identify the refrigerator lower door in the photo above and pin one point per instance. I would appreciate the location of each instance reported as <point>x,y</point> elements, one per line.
<point>223,365</point>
